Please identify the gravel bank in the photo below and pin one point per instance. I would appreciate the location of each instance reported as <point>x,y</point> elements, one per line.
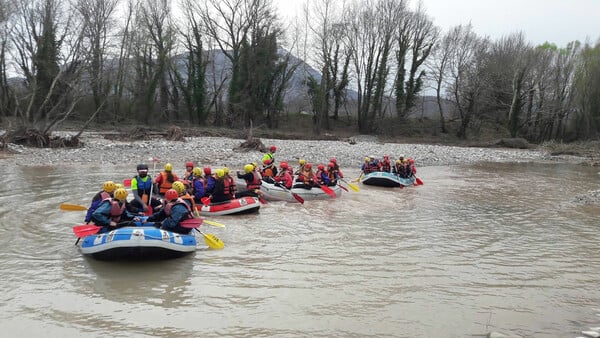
<point>222,151</point>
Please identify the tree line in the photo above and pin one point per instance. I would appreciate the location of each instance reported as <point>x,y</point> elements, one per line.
<point>158,61</point>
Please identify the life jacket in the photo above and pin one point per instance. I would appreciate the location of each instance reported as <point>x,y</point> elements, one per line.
<point>170,205</point>
<point>255,183</point>
<point>319,175</point>
<point>232,185</point>
<point>268,171</point>
<point>227,188</point>
<point>373,166</point>
<point>386,166</point>
<point>116,210</point>
<point>143,187</point>
<point>188,197</point>
<point>104,195</point>
<point>165,184</point>
<point>332,174</point>
<point>305,176</point>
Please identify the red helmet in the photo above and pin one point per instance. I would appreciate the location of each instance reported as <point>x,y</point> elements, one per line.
<point>283,165</point>
<point>308,166</point>
<point>330,165</point>
<point>386,157</point>
<point>333,160</point>
<point>207,170</point>
<point>189,164</point>
<point>171,194</point>
<point>273,149</point>
<point>411,161</point>
<point>267,161</point>
<point>321,167</point>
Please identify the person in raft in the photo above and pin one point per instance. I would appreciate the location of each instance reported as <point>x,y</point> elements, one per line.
<point>306,179</point>
<point>108,188</point>
<point>174,211</point>
<point>253,181</point>
<point>269,155</point>
<point>141,186</point>
<point>284,178</point>
<point>165,180</point>
<point>218,195</point>
<point>198,185</point>
<point>112,212</point>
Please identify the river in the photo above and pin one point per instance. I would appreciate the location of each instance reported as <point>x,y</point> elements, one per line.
<point>478,248</point>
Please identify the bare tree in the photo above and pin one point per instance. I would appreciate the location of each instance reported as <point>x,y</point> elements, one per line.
<point>467,76</point>
<point>153,44</point>
<point>47,42</point>
<point>440,63</point>
<point>332,58</point>
<point>371,25</point>
<point>98,22</point>
<point>416,38</point>
<point>6,94</point>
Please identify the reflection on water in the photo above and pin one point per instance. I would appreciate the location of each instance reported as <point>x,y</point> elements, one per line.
<point>488,247</point>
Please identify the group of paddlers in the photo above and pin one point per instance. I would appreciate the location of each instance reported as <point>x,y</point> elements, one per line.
<point>170,199</point>
<point>403,167</point>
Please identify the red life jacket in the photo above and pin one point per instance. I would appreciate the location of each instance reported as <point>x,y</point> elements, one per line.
<point>255,183</point>
<point>227,188</point>
<point>116,210</point>
<point>170,205</point>
<point>232,186</point>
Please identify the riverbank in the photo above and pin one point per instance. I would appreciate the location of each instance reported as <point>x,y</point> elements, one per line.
<point>98,149</point>
<point>225,151</point>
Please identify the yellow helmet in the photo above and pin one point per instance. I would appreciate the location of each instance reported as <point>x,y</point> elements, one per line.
<point>109,186</point>
<point>179,187</point>
<point>197,171</point>
<point>302,161</point>
<point>119,186</point>
<point>121,194</point>
<point>248,168</point>
<point>226,170</point>
<point>255,164</point>
<point>398,161</point>
<point>220,173</point>
<point>168,167</point>
<point>367,159</point>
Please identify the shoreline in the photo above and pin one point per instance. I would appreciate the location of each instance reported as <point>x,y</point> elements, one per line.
<point>223,151</point>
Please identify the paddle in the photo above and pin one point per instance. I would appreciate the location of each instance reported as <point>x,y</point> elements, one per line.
<point>72,207</point>
<point>418,180</point>
<point>86,230</point>
<point>212,241</point>
<point>90,229</point>
<point>352,186</point>
<point>341,186</point>
<point>326,190</point>
<point>362,173</point>
<point>191,223</point>
<point>149,212</point>
<point>213,223</point>
<point>294,195</point>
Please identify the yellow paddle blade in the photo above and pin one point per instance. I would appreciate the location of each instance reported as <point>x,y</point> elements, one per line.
<point>353,187</point>
<point>72,207</point>
<point>212,241</point>
<point>213,223</point>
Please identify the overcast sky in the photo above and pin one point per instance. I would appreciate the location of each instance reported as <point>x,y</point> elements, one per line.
<point>557,21</point>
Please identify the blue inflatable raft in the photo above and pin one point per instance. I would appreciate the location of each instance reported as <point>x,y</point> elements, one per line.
<point>138,243</point>
<point>385,179</point>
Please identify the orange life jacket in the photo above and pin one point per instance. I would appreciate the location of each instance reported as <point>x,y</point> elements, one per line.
<point>165,184</point>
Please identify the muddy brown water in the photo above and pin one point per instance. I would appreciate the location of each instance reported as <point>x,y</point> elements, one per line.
<point>479,248</point>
